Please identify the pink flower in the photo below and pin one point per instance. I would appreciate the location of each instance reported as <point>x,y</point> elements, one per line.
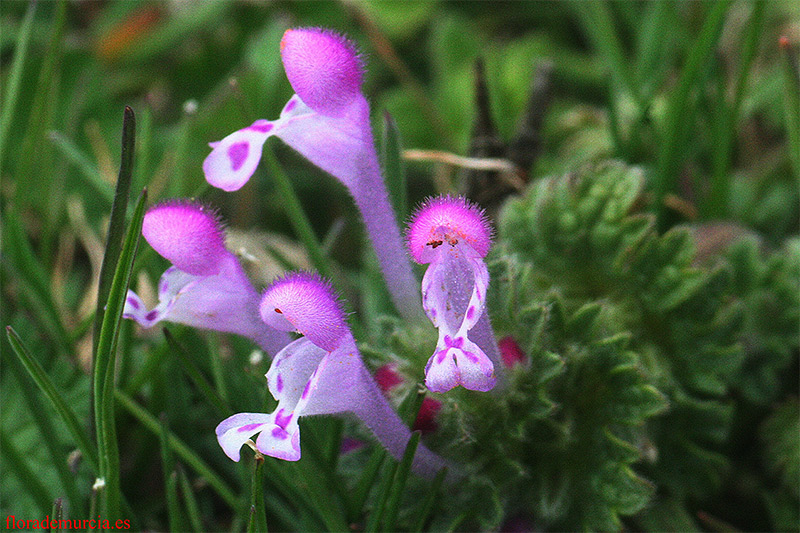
<point>327,121</point>
<point>453,236</point>
<point>205,287</point>
<point>320,373</point>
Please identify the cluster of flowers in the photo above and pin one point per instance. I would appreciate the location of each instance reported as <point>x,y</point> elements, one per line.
<point>322,372</point>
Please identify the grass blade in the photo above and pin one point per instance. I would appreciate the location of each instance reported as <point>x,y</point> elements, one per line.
<point>116,224</point>
<point>29,270</point>
<point>183,451</point>
<point>430,500</point>
<point>393,170</point>
<point>716,206</point>
<point>366,481</point>
<point>791,88</point>
<point>88,169</point>
<point>170,479</point>
<point>103,378</point>
<point>596,20</point>
<point>205,388</point>
<point>42,380</point>
<point>384,488</point>
<point>41,113</point>
<point>14,460</point>
<point>666,174</point>
<point>294,211</point>
<point>399,483</point>
<point>12,84</point>
<point>48,435</point>
<point>193,510</point>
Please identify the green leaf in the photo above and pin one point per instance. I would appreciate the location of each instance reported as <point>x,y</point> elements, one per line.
<point>104,367</point>
<point>116,223</point>
<point>781,436</point>
<point>52,393</point>
<point>180,448</point>
<point>399,483</point>
<point>393,169</point>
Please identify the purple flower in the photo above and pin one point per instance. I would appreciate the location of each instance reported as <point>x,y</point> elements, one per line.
<point>327,121</point>
<point>453,236</point>
<point>206,286</point>
<point>320,373</point>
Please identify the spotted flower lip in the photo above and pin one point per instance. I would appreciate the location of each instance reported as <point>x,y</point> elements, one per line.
<point>453,235</point>
<point>328,122</point>
<point>320,373</point>
<point>206,286</point>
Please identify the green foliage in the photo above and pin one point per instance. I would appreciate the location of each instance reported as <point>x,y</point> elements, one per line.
<point>659,390</point>
<point>584,238</point>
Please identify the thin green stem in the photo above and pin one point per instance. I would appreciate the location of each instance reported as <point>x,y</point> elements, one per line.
<point>258,513</point>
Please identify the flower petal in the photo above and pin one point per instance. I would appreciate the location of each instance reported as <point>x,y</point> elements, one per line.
<point>290,372</point>
<point>456,362</point>
<point>340,145</point>
<point>449,287</point>
<point>224,302</point>
<point>233,160</point>
<point>281,442</point>
<point>447,220</point>
<point>234,431</point>
<point>323,67</point>
<point>441,372</point>
<point>188,234</point>
<point>172,283</point>
<point>305,302</point>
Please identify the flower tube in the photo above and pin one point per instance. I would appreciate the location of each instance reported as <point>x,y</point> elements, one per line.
<point>206,286</point>
<point>327,121</point>
<point>320,373</point>
<point>453,236</point>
